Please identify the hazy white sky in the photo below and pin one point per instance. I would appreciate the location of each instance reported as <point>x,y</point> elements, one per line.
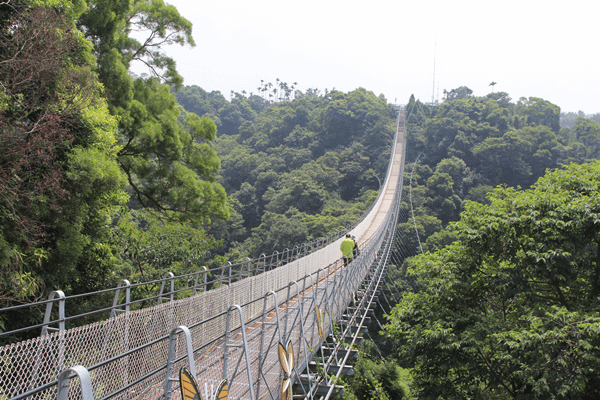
<point>529,47</point>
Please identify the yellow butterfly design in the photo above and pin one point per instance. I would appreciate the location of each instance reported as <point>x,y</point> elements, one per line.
<point>189,389</point>
<point>286,359</point>
<point>320,323</point>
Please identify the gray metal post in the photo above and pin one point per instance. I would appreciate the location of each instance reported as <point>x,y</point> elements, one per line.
<point>61,312</point>
<point>113,313</point>
<point>261,354</point>
<point>287,254</point>
<point>60,329</point>
<point>171,277</point>
<point>244,345</point>
<point>287,311</point>
<point>127,285</point>
<point>195,290</point>
<point>85,382</point>
<point>230,265</point>
<point>264,264</point>
<point>303,336</point>
<point>314,301</point>
<point>171,356</point>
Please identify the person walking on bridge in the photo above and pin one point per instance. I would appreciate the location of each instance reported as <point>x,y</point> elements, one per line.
<point>347,248</point>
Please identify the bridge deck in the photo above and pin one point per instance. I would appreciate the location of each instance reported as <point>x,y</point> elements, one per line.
<point>127,354</point>
<point>388,195</point>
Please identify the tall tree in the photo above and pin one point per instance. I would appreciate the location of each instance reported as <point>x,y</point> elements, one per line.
<point>166,156</point>
<point>511,309</point>
<point>539,112</point>
<point>59,180</point>
<point>461,92</point>
<point>587,132</point>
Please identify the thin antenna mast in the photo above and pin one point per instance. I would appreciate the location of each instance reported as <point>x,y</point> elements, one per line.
<point>433,91</point>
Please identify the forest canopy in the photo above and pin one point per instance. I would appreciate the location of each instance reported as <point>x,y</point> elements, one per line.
<point>106,175</point>
<point>92,158</point>
<point>468,145</point>
<point>503,301</point>
<point>511,307</point>
<point>295,169</point>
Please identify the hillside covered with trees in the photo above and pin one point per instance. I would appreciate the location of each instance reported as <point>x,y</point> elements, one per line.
<point>503,303</point>
<point>297,169</point>
<point>510,310</point>
<point>468,145</point>
<point>461,149</point>
<point>106,175</point>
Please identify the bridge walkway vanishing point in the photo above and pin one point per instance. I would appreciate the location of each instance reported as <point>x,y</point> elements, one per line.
<point>229,332</point>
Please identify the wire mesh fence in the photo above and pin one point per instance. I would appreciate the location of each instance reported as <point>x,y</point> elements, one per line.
<point>234,323</point>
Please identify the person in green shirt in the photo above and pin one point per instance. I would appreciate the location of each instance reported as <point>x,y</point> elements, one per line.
<point>347,248</point>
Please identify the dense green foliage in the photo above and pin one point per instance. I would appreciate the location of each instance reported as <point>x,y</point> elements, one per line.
<point>60,181</point>
<point>468,145</point>
<point>169,165</point>
<point>382,380</point>
<point>510,310</point>
<point>109,176</point>
<point>105,175</point>
<point>99,169</point>
<point>294,170</point>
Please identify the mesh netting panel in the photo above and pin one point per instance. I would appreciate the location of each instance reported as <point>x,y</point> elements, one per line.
<point>127,354</point>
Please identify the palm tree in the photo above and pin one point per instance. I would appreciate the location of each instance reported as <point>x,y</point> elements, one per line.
<point>286,90</point>
<point>293,87</point>
<point>492,85</point>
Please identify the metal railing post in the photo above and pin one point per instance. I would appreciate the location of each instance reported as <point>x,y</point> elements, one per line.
<point>171,356</point>
<point>303,333</point>
<point>60,329</point>
<point>244,345</point>
<point>170,276</point>
<point>124,282</point>
<point>195,290</point>
<point>85,382</point>
<point>261,268</point>
<point>61,312</point>
<point>113,313</point>
<point>261,354</point>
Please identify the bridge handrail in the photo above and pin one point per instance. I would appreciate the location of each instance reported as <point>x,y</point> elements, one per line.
<point>304,249</point>
<point>126,353</point>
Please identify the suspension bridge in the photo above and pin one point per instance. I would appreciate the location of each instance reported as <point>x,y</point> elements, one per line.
<point>226,324</point>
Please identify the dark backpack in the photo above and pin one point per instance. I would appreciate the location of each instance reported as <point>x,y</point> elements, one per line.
<point>355,250</point>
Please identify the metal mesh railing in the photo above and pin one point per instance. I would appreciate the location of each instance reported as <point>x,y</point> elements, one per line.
<point>127,296</point>
<point>233,328</point>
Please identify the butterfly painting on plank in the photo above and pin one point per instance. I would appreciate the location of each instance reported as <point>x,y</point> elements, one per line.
<point>189,389</point>
<point>320,323</point>
<point>286,359</point>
